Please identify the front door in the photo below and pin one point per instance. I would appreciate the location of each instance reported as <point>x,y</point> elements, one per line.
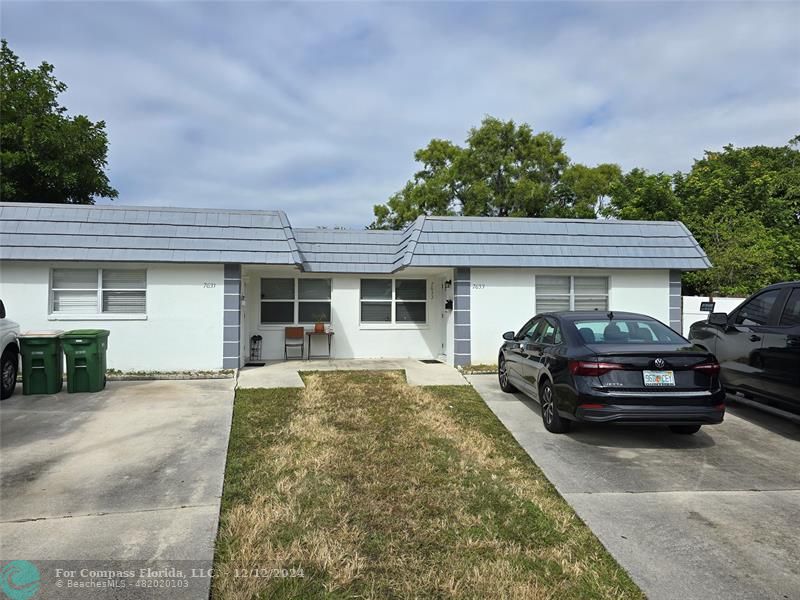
<point>444,323</point>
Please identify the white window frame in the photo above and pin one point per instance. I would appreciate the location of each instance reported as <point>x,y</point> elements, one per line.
<point>571,290</point>
<point>394,323</point>
<point>98,315</point>
<point>296,302</point>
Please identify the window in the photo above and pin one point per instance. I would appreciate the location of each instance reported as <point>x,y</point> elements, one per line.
<point>394,301</point>
<point>548,333</point>
<point>791,312</point>
<point>528,329</point>
<point>288,300</point>
<point>410,296</point>
<point>563,292</point>
<point>626,331</point>
<point>552,293</point>
<point>376,300</point>
<point>757,311</point>
<point>314,300</point>
<point>98,291</point>
<point>590,293</point>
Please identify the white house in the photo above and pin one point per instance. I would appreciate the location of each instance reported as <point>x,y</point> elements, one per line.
<point>188,288</point>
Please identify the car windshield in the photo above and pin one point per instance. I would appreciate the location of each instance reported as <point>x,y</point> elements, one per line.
<point>626,331</point>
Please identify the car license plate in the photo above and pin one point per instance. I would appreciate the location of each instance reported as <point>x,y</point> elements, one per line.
<point>659,378</point>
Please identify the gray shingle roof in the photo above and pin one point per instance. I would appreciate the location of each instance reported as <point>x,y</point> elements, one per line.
<point>119,233</point>
<point>352,251</point>
<point>504,242</point>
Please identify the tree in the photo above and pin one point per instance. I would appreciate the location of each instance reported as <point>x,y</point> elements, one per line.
<point>45,155</point>
<point>746,254</point>
<point>587,188</point>
<point>504,170</point>
<point>639,195</point>
<point>743,205</point>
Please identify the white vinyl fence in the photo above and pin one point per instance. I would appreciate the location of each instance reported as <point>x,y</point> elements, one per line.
<point>692,312</point>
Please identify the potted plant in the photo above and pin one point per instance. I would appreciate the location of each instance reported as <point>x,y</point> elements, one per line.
<point>319,326</point>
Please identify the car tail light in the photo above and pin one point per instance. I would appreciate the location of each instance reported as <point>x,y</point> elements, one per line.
<point>709,368</point>
<point>592,369</point>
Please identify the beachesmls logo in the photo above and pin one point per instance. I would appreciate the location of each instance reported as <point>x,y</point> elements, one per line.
<point>20,579</point>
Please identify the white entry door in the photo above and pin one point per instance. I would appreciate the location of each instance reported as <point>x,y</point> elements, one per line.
<point>444,319</point>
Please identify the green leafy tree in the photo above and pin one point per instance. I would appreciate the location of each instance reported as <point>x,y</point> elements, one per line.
<point>504,170</point>
<point>746,254</point>
<point>45,155</point>
<point>639,195</point>
<point>586,189</point>
<point>743,205</point>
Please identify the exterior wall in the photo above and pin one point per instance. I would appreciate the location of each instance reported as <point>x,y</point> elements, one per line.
<point>503,299</point>
<point>351,338</point>
<point>183,328</point>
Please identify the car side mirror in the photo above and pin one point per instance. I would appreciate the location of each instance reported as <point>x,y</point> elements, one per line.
<point>508,336</point>
<point>2,310</point>
<point>720,319</point>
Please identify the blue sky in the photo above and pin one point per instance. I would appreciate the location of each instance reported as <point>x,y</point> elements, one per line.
<point>317,108</point>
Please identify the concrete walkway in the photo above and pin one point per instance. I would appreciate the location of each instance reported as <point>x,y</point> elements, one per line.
<point>713,515</point>
<point>287,373</point>
<point>126,478</point>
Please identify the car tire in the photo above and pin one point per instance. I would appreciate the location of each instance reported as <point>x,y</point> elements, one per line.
<point>9,363</point>
<point>684,429</point>
<point>502,376</point>
<point>553,422</point>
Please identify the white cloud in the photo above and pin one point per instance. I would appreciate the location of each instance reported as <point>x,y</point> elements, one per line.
<point>318,108</point>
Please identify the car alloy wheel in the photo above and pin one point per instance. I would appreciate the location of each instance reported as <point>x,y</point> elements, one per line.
<point>503,373</point>
<point>547,403</point>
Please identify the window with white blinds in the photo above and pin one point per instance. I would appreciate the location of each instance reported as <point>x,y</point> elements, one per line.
<point>564,292</point>
<point>99,291</point>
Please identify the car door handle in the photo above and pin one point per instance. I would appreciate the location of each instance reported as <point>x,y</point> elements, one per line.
<point>793,341</point>
<point>755,338</point>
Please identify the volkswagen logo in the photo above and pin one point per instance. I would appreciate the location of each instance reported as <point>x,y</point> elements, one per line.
<point>660,363</point>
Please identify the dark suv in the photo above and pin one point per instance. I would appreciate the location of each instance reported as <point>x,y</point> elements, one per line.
<point>758,345</point>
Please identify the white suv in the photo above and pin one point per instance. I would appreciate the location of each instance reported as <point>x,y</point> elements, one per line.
<point>9,361</point>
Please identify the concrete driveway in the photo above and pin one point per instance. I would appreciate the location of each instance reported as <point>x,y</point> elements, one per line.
<point>713,515</point>
<point>127,478</point>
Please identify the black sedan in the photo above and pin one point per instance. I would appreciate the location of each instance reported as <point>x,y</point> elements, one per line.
<point>611,368</point>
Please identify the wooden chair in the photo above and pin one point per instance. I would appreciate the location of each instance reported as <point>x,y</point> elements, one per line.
<point>294,337</point>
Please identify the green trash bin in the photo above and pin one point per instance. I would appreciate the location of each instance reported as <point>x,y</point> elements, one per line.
<point>85,350</point>
<point>41,362</point>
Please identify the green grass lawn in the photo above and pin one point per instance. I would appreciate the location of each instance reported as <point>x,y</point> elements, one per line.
<point>361,486</point>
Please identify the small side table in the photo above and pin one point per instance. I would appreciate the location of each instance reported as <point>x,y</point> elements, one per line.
<point>309,335</point>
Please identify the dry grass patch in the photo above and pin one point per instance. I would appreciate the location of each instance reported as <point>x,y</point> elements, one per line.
<point>375,489</point>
